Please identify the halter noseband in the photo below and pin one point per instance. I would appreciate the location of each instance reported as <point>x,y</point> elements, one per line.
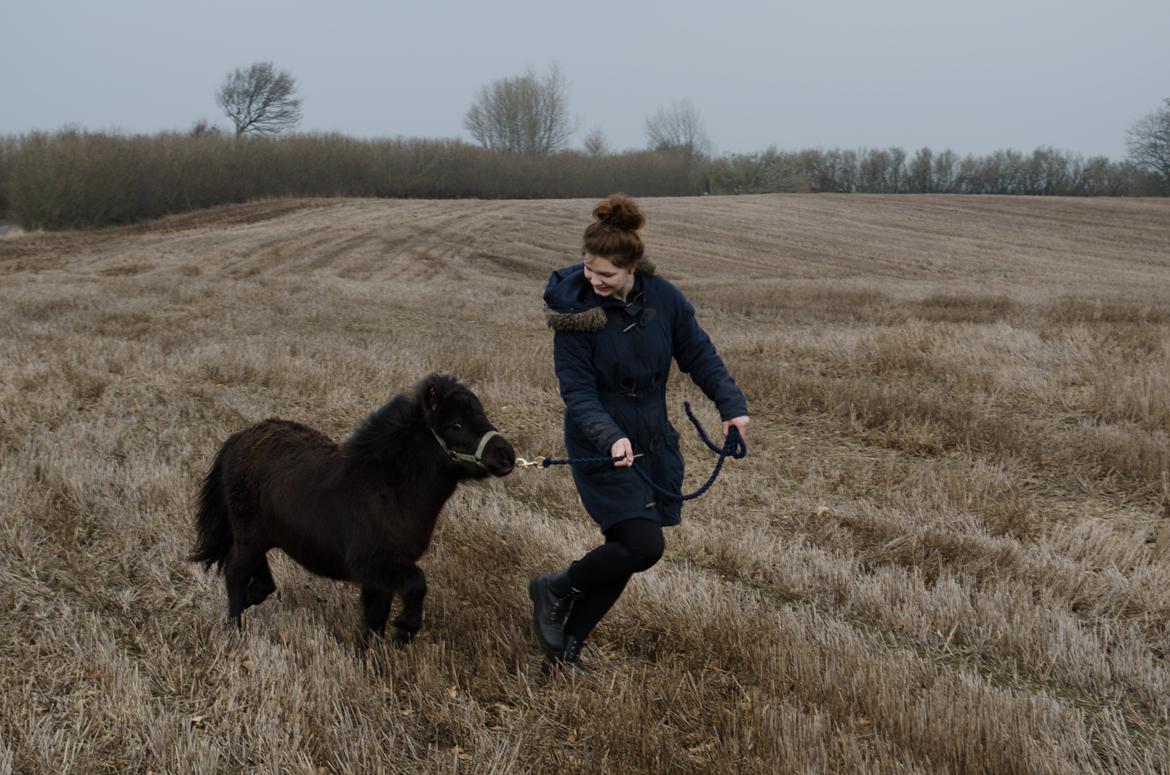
<point>463,457</point>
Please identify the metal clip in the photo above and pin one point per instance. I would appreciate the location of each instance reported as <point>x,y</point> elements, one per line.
<point>536,462</point>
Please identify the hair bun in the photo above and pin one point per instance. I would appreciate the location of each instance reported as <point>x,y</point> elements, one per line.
<point>619,212</point>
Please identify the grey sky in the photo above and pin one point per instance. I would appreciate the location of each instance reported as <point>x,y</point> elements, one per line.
<point>972,76</point>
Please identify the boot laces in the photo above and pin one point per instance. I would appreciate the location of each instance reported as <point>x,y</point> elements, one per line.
<point>564,605</point>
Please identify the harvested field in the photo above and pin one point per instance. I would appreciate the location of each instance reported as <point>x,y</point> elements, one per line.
<point>948,550</point>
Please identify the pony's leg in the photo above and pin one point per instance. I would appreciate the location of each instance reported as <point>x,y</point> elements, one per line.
<point>241,563</point>
<point>235,576</point>
<point>262,584</point>
<point>376,599</point>
<point>413,590</point>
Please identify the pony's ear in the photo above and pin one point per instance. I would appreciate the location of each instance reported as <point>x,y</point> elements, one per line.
<point>431,399</point>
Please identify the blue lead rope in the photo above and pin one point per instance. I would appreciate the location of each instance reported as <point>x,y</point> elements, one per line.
<point>733,446</point>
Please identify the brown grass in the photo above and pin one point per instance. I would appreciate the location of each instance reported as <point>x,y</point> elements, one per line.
<point>941,555</point>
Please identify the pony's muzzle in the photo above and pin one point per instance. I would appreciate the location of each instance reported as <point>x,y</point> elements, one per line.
<point>498,457</point>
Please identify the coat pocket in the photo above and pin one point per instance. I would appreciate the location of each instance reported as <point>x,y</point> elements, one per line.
<point>669,468</point>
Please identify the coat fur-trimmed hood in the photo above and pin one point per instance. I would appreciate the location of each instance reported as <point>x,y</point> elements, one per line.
<point>571,304</point>
<point>590,320</point>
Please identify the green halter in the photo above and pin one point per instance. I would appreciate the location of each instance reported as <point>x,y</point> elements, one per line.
<point>463,457</point>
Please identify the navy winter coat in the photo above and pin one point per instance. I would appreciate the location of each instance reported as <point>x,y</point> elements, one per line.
<point>612,359</point>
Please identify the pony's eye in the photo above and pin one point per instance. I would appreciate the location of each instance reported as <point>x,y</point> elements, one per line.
<point>456,427</point>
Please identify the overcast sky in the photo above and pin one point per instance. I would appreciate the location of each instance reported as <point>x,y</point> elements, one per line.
<point>974,76</point>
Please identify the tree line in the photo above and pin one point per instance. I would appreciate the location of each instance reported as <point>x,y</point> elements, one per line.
<point>522,129</point>
<point>74,179</point>
<point>1044,172</point>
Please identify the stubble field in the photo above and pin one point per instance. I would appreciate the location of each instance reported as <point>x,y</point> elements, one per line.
<point>948,550</point>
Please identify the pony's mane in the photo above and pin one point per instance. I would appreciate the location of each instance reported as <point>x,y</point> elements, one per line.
<point>387,432</point>
<point>383,430</point>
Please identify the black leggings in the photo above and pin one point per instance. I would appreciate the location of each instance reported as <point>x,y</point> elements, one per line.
<point>601,575</point>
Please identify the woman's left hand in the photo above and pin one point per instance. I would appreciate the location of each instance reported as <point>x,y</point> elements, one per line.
<point>740,423</point>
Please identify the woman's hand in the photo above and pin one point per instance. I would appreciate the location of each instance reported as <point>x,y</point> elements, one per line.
<point>740,423</point>
<point>622,447</point>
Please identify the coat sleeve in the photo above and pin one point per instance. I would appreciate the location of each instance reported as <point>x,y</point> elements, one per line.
<point>573,360</point>
<point>696,355</point>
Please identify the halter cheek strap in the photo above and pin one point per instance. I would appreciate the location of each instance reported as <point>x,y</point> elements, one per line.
<point>463,457</point>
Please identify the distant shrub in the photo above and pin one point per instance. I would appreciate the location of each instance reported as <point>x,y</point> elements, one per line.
<point>80,179</point>
<point>759,173</point>
<point>8,151</point>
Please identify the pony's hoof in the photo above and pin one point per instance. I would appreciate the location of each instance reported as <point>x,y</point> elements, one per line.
<point>402,637</point>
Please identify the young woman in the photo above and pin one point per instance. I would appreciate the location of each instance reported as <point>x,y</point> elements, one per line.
<point>617,326</point>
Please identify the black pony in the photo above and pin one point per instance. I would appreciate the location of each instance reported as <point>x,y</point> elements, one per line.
<point>361,511</point>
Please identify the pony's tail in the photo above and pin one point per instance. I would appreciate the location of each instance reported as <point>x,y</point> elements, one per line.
<point>212,522</point>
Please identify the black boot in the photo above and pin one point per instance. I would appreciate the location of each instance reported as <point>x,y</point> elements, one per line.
<point>552,599</point>
<point>572,654</point>
<point>568,660</point>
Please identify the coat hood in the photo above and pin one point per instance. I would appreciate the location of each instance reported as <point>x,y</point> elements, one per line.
<point>571,304</point>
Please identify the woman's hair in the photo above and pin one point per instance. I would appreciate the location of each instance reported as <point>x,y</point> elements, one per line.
<point>615,232</point>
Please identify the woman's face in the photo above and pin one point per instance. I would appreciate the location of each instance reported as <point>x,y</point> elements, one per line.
<point>607,279</point>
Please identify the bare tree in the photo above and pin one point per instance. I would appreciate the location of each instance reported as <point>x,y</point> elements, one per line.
<point>1149,142</point>
<point>260,99</point>
<point>595,144</point>
<point>921,166</point>
<point>944,170</point>
<point>678,128</point>
<point>896,171</point>
<point>523,114</point>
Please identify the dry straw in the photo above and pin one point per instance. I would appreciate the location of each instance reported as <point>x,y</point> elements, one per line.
<point>941,555</point>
